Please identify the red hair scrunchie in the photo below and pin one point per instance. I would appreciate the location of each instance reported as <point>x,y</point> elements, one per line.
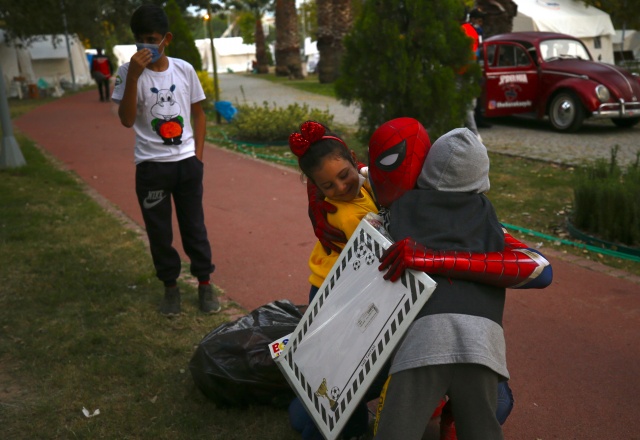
<point>310,132</point>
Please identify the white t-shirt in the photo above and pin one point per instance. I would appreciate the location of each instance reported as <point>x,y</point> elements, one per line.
<point>164,104</point>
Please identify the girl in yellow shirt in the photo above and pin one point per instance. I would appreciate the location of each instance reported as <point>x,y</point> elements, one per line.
<point>331,166</point>
<point>326,161</point>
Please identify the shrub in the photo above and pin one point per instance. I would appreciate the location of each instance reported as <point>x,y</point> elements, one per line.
<point>255,123</point>
<point>607,201</point>
<point>209,89</point>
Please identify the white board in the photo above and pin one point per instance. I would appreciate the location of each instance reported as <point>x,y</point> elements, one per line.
<point>350,329</point>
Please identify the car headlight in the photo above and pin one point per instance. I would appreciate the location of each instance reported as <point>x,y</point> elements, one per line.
<point>602,93</point>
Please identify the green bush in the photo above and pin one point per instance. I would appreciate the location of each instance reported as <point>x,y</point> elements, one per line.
<point>607,201</point>
<point>209,89</point>
<point>255,123</point>
<point>409,58</point>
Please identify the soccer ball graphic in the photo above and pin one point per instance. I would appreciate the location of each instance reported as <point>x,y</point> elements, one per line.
<point>370,258</point>
<point>335,393</point>
<point>356,264</point>
<point>362,250</point>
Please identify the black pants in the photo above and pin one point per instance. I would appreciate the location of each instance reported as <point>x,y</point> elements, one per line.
<point>156,184</point>
<point>103,89</point>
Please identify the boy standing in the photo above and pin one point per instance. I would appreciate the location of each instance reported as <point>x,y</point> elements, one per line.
<point>158,96</point>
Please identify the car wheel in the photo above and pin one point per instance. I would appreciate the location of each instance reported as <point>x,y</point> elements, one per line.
<point>566,112</point>
<point>625,122</point>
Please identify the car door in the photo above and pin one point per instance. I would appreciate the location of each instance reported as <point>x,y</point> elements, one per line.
<point>510,79</point>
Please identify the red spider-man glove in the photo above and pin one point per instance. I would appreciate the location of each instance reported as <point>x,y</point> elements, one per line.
<point>318,209</point>
<point>406,254</point>
<point>510,268</point>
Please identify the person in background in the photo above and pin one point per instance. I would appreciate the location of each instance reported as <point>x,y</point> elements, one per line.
<point>101,72</point>
<point>476,18</point>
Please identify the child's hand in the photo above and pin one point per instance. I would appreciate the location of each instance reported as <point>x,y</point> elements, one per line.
<point>139,62</point>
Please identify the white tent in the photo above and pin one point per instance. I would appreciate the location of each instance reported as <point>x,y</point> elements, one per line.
<point>231,54</point>
<point>572,17</point>
<point>311,55</point>
<point>16,66</point>
<point>50,60</point>
<point>123,53</point>
<point>631,42</point>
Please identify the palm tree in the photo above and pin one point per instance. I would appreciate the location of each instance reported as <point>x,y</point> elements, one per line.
<point>287,53</point>
<point>257,8</point>
<point>334,21</point>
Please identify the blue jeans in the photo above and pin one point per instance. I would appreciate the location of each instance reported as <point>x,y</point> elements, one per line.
<point>505,402</point>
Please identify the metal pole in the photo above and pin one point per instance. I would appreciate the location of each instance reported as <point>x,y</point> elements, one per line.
<point>10,155</point>
<point>215,63</point>
<point>66,36</point>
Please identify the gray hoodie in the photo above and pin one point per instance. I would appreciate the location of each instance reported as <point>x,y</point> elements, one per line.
<point>462,321</point>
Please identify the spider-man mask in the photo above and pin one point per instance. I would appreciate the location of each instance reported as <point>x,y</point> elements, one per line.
<point>397,150</point>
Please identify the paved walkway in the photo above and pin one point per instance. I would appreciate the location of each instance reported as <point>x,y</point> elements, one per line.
<point>573,348</point>
<point>516,136</point>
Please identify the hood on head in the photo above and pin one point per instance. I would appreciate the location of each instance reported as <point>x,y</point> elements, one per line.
<point>457,162</point>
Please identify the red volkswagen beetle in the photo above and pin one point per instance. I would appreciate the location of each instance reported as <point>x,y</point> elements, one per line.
<point>551,74</point>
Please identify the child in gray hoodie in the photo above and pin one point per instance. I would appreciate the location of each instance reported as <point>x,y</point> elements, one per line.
<point>456,345</point>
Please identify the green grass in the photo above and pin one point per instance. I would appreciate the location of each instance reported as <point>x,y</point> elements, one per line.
<point>78,304</point>
<point>309,84</point>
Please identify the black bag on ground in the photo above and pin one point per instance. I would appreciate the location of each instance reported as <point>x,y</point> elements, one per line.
<point>233,366</point>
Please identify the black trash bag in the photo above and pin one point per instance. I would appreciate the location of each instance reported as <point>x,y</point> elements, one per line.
<point>233,366</point>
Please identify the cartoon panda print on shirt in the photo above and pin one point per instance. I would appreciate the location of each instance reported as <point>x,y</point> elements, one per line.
<point>167,121</point>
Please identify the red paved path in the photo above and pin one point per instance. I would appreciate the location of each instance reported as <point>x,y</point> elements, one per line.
<point>573,349</point>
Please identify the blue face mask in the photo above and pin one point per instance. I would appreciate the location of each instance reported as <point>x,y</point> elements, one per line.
<point>154,48</point>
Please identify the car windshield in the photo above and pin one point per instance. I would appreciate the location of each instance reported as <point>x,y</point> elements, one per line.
<point>561,48</point>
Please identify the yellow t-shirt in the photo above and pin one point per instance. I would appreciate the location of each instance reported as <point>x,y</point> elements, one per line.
<point>346,218</point>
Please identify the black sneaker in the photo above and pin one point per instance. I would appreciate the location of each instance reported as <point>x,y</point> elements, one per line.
<point>170,305</point>
<point>207,300</point>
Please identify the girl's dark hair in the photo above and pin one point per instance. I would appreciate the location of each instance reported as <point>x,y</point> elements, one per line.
<point>312,159</point>
<point>147,19</point>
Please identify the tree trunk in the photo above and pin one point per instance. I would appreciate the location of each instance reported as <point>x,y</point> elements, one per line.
<point>261,51</point>
<point>325,41</point>
<point>288,60</point>
<point>499,18</point>
<point>334,21</point>
<point>342,21</point>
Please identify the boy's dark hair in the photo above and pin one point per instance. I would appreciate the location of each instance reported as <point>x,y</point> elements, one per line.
<point>147,19</point>
<point>312,159</point>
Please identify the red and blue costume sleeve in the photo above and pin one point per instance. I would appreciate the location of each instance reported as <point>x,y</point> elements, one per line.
<point>517,266</point>
<point>318,209</point>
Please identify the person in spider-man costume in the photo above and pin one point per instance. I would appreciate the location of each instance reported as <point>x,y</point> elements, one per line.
<point>445,226</point>
<point>397,151</point>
